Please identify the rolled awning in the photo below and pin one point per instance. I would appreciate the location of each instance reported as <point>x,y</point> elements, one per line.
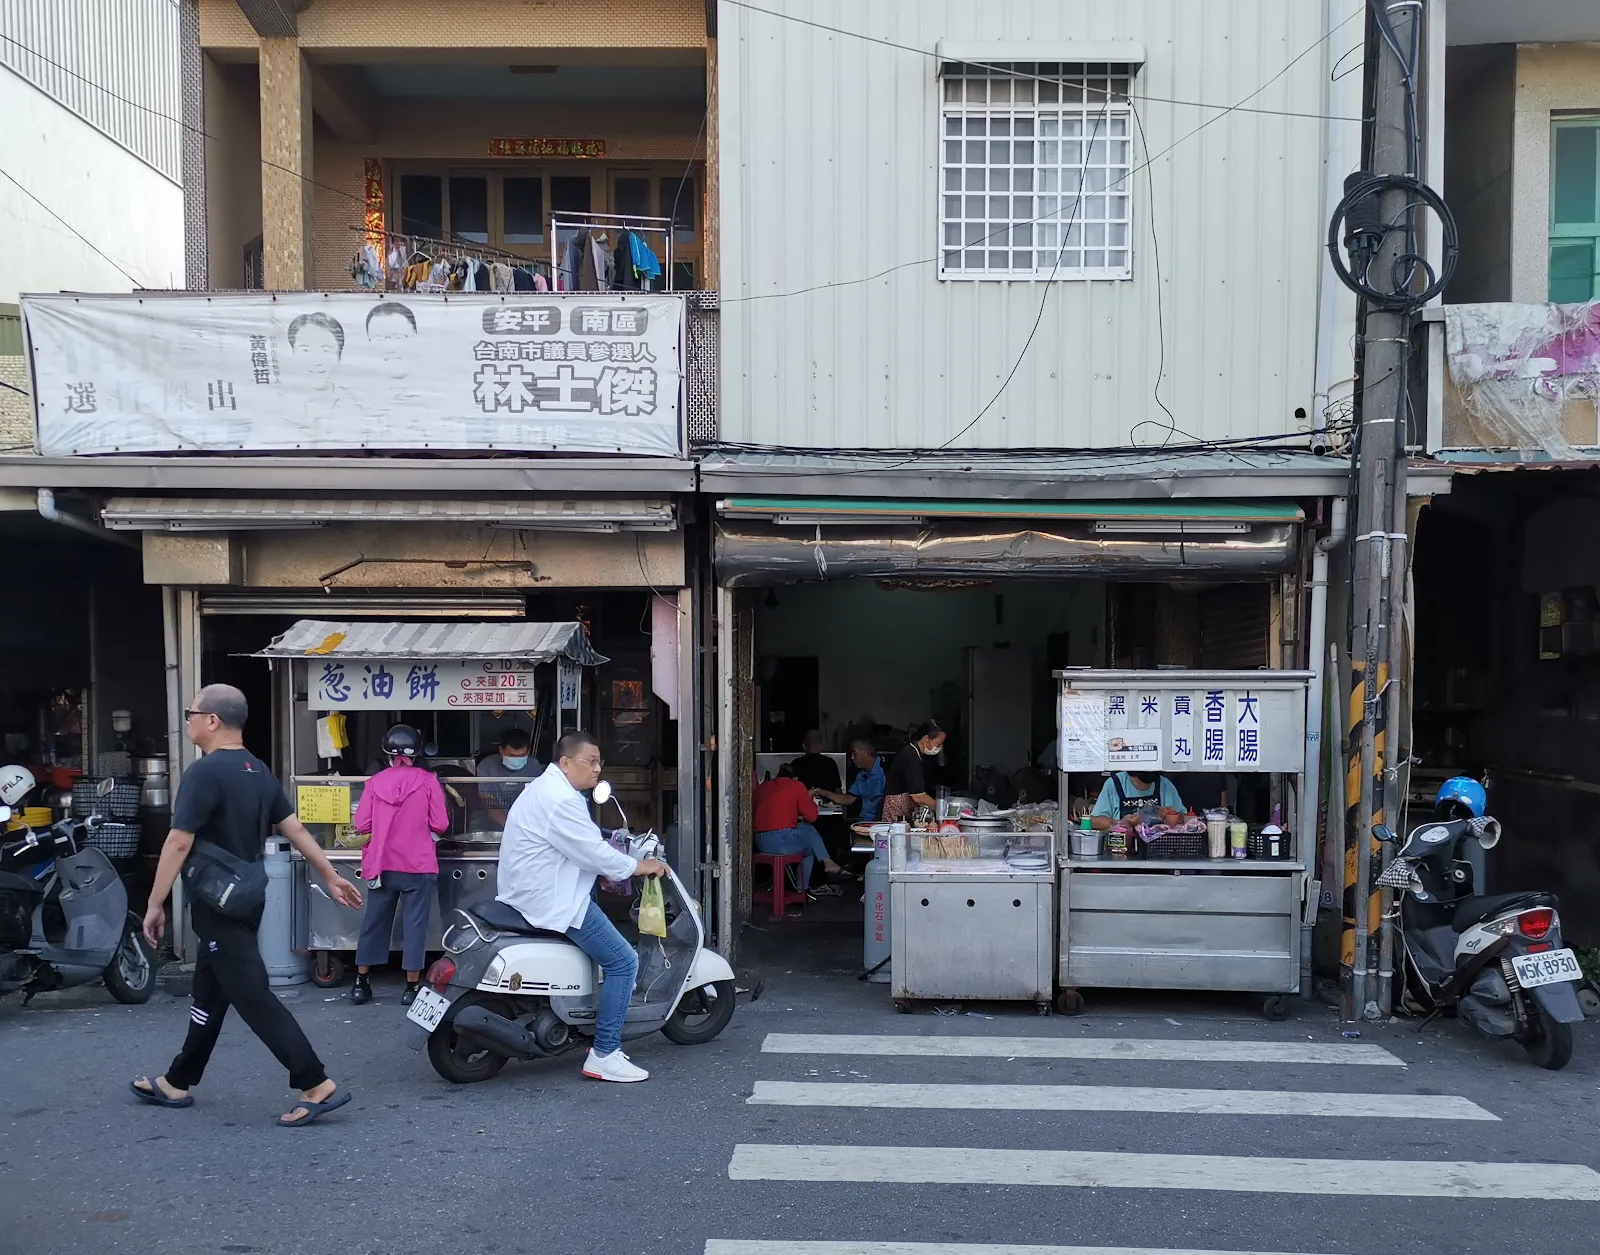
<point>527,642</point>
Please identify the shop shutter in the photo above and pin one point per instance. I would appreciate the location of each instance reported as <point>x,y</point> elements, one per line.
<point>1234,624</point>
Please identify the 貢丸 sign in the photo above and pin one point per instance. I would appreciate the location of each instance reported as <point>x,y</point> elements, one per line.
<point>405,684</point>
<point>571,372</point>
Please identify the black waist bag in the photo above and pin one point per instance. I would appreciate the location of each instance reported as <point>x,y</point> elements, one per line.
<point>229,885</point>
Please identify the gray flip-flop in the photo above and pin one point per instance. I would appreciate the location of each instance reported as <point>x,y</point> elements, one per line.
<point>156,1098</point>
<point>316,1110</point>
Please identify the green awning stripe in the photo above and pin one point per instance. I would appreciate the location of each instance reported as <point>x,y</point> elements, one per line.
<point>1219,511</point>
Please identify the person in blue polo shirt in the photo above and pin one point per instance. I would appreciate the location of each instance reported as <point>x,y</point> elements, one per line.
<point>868,786</point>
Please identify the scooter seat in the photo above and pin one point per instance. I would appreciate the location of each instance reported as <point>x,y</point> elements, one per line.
<point>1477,909</point>
<point>507,919</point>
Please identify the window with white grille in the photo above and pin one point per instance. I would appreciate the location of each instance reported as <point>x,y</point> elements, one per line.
<point>1036,172</point>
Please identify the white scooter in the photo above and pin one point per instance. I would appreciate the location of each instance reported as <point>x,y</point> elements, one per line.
<point>505,990</point>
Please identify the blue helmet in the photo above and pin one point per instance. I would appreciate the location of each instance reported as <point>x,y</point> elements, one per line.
<point>1462,791</point>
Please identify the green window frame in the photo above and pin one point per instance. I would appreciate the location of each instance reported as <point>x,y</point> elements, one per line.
<point>1575,209</point>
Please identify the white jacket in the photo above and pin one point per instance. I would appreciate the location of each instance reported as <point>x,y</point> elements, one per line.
<point>551,853</point>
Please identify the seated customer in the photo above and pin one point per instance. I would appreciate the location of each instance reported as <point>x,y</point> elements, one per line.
<point>814,769</point>
<point>784,813</point>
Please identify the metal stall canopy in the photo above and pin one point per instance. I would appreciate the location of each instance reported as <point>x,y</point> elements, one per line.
<point>220,514</point>
<point>526,642</point>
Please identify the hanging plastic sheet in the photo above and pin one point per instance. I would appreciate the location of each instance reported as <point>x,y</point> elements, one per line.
<point>1527,378</point>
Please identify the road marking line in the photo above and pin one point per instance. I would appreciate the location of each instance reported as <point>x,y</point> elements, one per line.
<point>721,1246</point>
<point>951,1165</point>
<point>1101,1049</point>
<point>1219,1102</point>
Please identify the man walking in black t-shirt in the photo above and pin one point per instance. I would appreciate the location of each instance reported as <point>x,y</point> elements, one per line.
<point>231,799</point>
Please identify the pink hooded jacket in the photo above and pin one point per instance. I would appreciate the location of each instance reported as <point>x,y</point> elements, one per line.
<point>402,807</point>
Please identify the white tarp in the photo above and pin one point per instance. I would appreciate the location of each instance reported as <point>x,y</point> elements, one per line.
<point>574,373</point>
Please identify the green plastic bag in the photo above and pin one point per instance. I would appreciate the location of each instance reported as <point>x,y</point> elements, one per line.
<point>652,909</point>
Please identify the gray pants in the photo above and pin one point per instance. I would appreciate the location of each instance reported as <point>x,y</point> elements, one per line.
<point>412,892</point>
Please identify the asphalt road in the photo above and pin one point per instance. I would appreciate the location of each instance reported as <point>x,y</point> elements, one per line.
<point>539,1160</point>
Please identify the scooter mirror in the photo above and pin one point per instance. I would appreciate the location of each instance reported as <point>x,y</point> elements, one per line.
<point>104,788</point>
<point>601,793</point>
<point>5,814</point>
<point>1382,833</point>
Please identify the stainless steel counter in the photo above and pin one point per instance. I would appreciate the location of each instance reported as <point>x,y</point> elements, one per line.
<point>467,875</point>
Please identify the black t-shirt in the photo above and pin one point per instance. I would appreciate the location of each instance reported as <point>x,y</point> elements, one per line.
<point>817,771</point>
<point>905,773</point>
<point>231,799</point>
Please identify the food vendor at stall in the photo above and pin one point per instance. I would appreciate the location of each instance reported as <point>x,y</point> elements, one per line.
<point>905,787</point>
<point>1126,793</point>
<point>515,762</point>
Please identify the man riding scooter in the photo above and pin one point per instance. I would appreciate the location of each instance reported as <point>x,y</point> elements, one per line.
<point>551,853</point>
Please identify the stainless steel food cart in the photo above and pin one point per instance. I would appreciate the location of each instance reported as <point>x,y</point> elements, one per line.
<point>1183,923</point>
<point>972,916</point>
<point>329,668</point>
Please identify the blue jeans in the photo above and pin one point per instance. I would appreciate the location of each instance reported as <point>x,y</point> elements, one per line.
<point>801,839</point>
<point>599,939</point>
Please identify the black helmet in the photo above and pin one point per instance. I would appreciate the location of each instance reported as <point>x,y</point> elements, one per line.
<point>402,739</point>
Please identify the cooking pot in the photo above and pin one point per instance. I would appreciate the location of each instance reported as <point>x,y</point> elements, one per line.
<point>156,766</point>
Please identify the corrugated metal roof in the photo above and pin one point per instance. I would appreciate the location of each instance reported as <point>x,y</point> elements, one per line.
<point>222,513</point>
<point>530,642</point>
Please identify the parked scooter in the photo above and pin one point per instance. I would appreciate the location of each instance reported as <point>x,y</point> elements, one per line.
<point>1496,960</point>
<point>505,990</point>
<point>64,916</point>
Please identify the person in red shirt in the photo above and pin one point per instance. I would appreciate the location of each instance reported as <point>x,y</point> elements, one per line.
<point>784,813</point>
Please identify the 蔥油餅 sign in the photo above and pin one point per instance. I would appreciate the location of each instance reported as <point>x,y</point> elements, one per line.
<point>571,373</point>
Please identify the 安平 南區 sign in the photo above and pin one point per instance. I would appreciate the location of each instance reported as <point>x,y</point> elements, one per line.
<point>257,371</point>
<point>1193,728</point>
<point>402,684</point>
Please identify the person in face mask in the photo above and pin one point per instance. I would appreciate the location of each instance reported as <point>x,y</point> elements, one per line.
<point>515,761</point>
<point>906,787</point>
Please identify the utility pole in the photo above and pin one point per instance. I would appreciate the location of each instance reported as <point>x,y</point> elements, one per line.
<point>1383,228</point>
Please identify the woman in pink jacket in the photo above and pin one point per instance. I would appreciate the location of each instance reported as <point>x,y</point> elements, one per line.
<point>403,808</point>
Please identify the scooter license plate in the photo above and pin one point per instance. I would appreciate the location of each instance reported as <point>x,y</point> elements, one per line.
<point>1546,969</point>
<point>427,1009</point>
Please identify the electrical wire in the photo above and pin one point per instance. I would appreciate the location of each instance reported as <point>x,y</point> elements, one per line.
<point>1161,317</point>
<point>115,265</point>
<point>1009,72</point>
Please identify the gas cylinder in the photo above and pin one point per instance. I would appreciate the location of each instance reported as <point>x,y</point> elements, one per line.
<point>875,931</point>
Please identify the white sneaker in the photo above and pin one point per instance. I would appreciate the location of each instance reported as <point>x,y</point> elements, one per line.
<point>615,1066</point>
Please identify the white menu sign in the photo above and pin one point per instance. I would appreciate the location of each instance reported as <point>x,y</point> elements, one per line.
<point>408,684</point>
<point>1188,728</point>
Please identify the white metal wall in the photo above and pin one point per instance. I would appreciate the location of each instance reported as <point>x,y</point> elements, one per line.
<point>829,176</point>
<point>114,63</point>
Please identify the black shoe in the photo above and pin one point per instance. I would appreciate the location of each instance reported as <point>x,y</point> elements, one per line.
<point>361,991</point>
<point>410,995</point>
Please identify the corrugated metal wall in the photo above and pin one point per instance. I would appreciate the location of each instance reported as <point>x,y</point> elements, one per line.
<point>837,331</point>
<point>114,63</point>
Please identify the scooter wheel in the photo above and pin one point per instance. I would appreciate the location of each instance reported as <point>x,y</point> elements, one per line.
<point>131,974</point>
<point>701,1014</point>
<point>1552,1048</point>
<point>461,1062</point>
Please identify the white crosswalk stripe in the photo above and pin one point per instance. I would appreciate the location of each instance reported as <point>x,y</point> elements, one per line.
<point>1239,1102</point>
<point>1099,1049</point>
<point>947,1165</point>
<point>719,1247</point>
<point>1088,1168</point>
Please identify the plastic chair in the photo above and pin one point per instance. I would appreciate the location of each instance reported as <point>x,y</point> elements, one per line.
<point>779,895</point>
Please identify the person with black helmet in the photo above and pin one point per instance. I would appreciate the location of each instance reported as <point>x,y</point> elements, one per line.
<point>403,809</point>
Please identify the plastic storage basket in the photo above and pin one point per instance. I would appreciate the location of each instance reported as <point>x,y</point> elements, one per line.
<point>122,803</point>
<point>115,840</point>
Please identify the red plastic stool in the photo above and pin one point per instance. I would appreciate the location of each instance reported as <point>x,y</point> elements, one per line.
<point>780,894</point>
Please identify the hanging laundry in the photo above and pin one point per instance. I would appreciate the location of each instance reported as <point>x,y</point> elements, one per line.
<point>642,260</point>
<point>540,283</point>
